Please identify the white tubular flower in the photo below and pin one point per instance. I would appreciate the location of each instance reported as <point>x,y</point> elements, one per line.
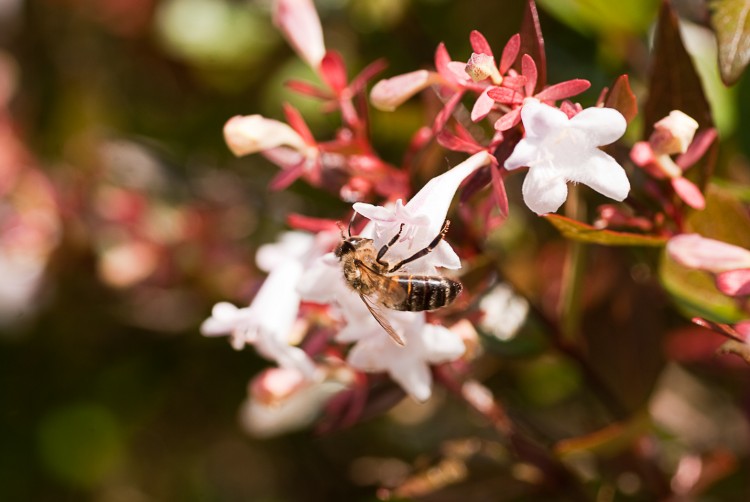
<point>268,323</point>
<point>246,134</point>
<point>558,150</point>
<point>299,22</point>
<point>423,217</point>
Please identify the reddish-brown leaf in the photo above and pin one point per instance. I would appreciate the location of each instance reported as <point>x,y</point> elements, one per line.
<point>532,42</point>
<point>674,83</point>
<point>622,99</point>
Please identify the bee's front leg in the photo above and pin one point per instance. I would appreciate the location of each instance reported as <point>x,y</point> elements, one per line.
<point>386,247</point>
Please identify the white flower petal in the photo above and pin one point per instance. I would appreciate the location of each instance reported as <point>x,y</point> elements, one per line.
<point>541,120</point>
<point>602,173</point>
<point>602,125</point>
<point>290,246</point>
<point>526,153</point>
<point>544,190</point>
<point>378,214</point>
<point>415,378</point>
<point>441,344</point>
<point>318,281</point>
<point>434,199</point>
<point>270,346</point>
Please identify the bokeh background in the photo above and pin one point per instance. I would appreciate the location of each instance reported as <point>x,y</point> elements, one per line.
<point>124,218</point>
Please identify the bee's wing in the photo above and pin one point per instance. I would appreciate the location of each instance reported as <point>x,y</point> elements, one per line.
<point>380,317</point>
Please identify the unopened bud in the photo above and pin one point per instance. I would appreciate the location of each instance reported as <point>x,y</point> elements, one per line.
<point>673,134</point>
<point>276,384</point>
<point>481,67</point>
<point>253,133</point>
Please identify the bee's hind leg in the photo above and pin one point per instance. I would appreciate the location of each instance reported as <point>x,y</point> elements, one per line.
<point>439,237</point>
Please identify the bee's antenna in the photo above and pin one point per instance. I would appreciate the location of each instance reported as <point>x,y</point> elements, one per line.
<point>341,229</point>
<point>349,229</point>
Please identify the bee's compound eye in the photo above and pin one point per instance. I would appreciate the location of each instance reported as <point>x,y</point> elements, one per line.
<point>345,247</point>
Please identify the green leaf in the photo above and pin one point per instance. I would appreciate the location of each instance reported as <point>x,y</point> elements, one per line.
<point>731,22</point>
<point>609,441</point>
<point>675,84</point>
<point>603,16</point>
<point>575,230</point>
<point>725,217</point>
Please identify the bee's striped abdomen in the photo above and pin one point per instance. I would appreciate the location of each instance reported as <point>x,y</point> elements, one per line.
<point>424,292</point>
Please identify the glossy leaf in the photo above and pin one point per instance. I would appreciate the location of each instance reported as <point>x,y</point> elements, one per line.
<point>674,84</point>
<point>603,16</point>
<point>731,22</point>
<point>725,218</point>
<point>582,232</point>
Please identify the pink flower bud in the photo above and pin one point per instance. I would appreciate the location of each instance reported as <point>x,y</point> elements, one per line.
<point>389,94</point>
<point>694,251</point>
<point>254,133</point>
<point>276,384</point>
<point>734,282</point>
<point>299,23</point>
<point>673,134</point>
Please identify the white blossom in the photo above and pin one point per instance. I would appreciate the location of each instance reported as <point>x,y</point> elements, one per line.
<point>558,150</point>
<point>269,322</point>
<point>423,217</point>
<point>504,312</point>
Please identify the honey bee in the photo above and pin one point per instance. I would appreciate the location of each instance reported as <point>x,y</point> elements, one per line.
<point>379,284</point>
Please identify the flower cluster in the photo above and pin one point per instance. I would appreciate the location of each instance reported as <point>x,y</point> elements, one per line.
<point>316,324</point>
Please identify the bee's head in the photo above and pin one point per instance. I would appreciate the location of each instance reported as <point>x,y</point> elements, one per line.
<point>350,245</point>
